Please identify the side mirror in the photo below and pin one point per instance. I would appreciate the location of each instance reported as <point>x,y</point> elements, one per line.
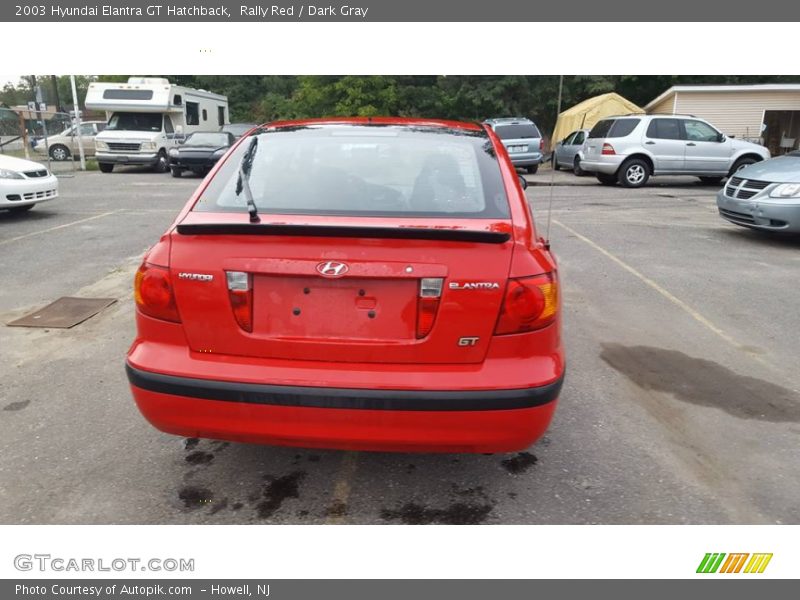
<point>721,137</point>
<point>523,182</point>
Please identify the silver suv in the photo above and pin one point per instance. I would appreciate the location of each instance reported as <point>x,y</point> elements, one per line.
<point>629,149</point>
<point>522,140</point>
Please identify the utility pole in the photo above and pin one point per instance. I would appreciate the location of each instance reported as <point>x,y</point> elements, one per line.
<point>77,111</point>
<point>38,101</point>
<point>56,97</point>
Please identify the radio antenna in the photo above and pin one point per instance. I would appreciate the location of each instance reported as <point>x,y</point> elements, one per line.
<point>552,170</point>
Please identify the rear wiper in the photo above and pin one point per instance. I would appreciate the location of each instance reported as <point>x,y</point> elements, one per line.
<point>243,183</point>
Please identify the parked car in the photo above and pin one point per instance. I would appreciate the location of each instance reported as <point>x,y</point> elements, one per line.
<point>522,140</point>
<point>569,152</point>
<point>356,284</point>
<point>629,149</point>
<point>199,152</point>
<point>24,183</point>
<point>764,196</point>
<point>63,145</point>
<point>237,129</point>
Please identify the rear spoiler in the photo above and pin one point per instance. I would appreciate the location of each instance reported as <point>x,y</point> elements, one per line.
<point>395,233</point>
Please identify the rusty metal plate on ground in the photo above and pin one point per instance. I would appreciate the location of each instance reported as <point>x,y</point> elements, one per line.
<point>64,313</point>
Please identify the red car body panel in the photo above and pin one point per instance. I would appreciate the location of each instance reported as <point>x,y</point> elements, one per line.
<point>361,377</point>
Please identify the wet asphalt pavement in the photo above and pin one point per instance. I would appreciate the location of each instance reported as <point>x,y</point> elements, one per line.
<point>681,403</point>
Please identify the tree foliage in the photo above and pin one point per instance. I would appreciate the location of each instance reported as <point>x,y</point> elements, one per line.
<point>461,97</point>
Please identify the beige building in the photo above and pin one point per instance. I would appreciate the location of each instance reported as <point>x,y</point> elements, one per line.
<point>768,114</point>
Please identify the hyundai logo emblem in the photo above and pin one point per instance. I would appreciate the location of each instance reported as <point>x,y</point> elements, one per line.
<point>332,269</point>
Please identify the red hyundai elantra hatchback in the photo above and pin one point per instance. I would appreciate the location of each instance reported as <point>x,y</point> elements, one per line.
<point>372,284</point>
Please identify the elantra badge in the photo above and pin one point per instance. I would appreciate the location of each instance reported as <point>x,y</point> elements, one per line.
<point>474,285</point>
<point>332,269</point>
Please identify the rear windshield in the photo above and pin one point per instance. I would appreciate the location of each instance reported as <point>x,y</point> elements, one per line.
<point>512,132</point>
<point>368,170</point>
<point>207,139</point>
<point>613,128</point>
<point>238,129</point>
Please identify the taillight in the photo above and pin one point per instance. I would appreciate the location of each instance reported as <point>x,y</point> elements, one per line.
<point>530,303</point>
<point>608,149</point>
<point>152,291</point>
<point>240,291</point>
<point>541,144</point>
<point>430,292</point>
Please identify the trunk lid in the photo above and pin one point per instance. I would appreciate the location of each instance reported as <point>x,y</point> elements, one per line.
<point>305,307</point>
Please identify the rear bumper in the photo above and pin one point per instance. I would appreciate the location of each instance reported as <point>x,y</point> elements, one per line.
<point>502,404</point>
<point>343,418</point>
<point>526,159</point>
<point>194,165</point>
<point>608,165</point>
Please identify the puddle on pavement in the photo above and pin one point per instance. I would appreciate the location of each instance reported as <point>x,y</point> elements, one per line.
<point>703,383</point>
<point>458,513</point>
<point>519,463</point>
<point>278,490</point>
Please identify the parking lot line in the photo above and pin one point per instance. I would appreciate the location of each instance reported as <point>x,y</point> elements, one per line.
<point>341,491</point>
<point>697,316</point>
<point>57,227</point>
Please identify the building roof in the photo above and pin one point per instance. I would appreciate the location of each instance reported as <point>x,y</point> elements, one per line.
<point>756,87</point>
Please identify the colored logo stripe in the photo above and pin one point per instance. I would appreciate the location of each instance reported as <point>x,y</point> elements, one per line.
<point>733,564</point>
<point>710,562</point>
<point>758,563</point>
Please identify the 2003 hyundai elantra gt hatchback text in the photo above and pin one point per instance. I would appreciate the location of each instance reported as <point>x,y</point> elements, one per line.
<point>370,284</point>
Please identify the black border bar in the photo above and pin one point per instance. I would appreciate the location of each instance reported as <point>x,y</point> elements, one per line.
<point>319,397</point>
<point>329,231</point>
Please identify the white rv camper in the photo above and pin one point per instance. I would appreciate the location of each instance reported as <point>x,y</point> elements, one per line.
<point>147,116</point>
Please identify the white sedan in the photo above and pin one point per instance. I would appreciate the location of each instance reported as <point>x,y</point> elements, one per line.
<point>23,183</point>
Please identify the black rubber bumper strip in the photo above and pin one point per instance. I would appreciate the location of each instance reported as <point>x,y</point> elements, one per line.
<point>318,397</point>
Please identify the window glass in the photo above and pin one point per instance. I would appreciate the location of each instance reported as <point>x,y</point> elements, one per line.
<point>128,94</point>
<point>601,128</point>
<point>168,125</point>
<point>192,113</point>
<point>664,129</point>
<point>697,131</point>
<point>623,127</point>
<point>205,115</point>
<point>568,140</point>
<point>512,132</point>
<point>365,171</point>
<point>126,121</point>
<point>206,139</point>
<point>579,138</point>
<point>87,129</point>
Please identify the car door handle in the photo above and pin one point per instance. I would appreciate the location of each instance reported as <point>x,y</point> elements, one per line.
<point>650,143</point>
<point>691,144</point>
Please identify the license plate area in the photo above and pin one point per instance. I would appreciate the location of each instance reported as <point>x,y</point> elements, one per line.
<point>516,149</point>
<point>348,308</point>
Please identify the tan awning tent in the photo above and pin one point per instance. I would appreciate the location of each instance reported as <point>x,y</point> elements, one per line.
<point>589,112</point>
